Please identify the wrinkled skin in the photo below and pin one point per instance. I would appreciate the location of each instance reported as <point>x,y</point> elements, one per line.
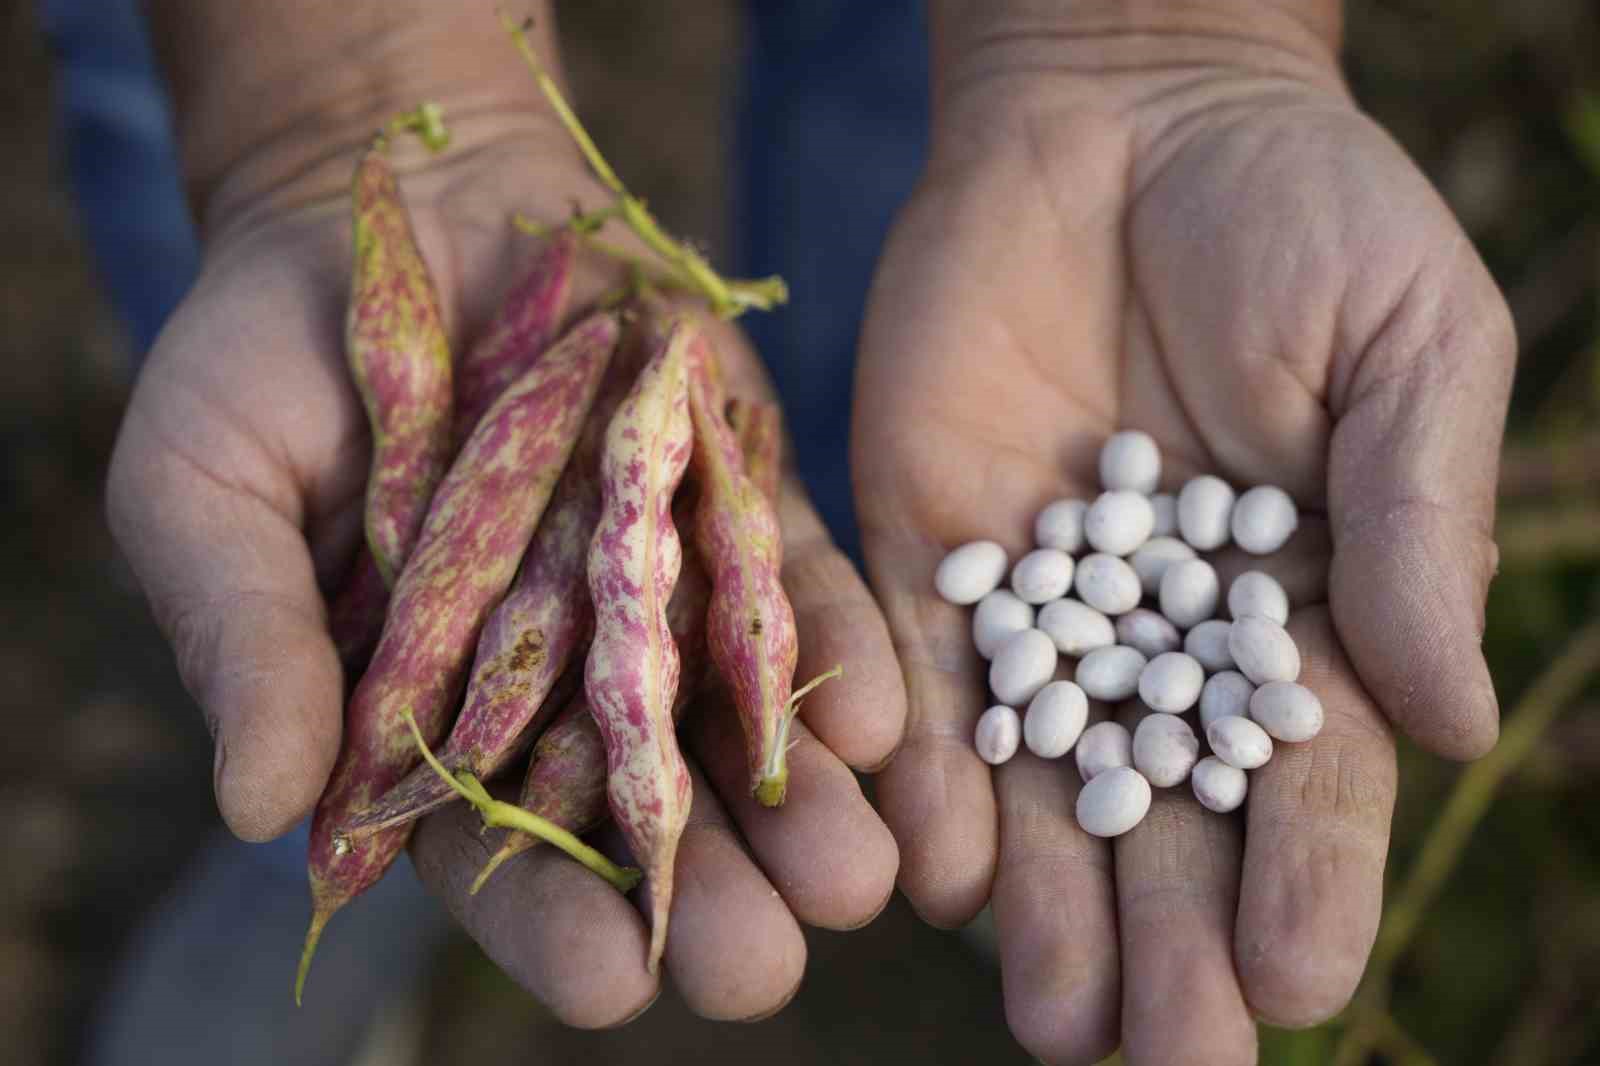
<point>1250,270</point>
<point>236,494</point>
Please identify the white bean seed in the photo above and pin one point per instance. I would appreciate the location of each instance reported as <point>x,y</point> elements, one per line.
<point>1110,674</point>
<point>1263,520</point>
<point>998,732</point>
<point>998,615</point>
<point>1226,694</point>
<point>1239,742</point>
<point>1022,666</point>
<point>1130,460</point>
<point>1205,505</point>
<point>1208,642</point>
<point>1164,749</point>
<point>1150,562</point>
<point>1055,719</point>
<point>1103,746</point>
<point>1189,592</point>
<point>1254,592</point>
<point>1107,584</point>
<point>1118,522</point>
<point>1076,627</point>
<point>971,572</point>
<point>1060,526</point>
<point>1042,575</point>
<point>1218,786</point>
<point>1263,650</point>
<point>1287,711</point>
<point>1148,631</point>
<point>1114,802</point>
<point>1164,506</point>
<point>1171,682</point>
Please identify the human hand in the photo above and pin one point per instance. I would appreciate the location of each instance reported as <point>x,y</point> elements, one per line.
<point>1192,232</point>
<point>236,492</point>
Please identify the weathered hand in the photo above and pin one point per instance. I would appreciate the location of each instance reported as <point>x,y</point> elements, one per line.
<point>236,492</point>
<point>1212,244</point>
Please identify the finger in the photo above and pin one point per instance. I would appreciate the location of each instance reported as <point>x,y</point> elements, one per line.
<point>572,941</point>
<point>861,716</point>
<point>1055,910</point>
<point>1177,889</point>
<point>215,542</point>
<point>1411,487</point>
<point>824,849</point>
<point>1318,833</point>
<point>734,950</point>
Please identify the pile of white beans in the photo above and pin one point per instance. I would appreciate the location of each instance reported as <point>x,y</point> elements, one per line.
<point>1242,675</point>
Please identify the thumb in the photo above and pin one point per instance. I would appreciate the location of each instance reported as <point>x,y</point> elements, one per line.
<point>209,524</point>
<point>1411,492</point>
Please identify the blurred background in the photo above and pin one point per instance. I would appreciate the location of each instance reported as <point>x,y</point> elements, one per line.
<point>1490,951</point>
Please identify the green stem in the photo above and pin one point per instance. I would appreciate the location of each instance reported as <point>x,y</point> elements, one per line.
<point>774,783</point>
<point>502,815</point>
<point>727,299</point>
<point>1469,800</point>
<point>426,120</point>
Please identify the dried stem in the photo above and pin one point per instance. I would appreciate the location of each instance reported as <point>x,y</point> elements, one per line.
<point>498,814</point>
<point>1469,800</point>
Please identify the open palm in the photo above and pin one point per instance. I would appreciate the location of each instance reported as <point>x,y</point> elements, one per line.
<point>236,492</point>
<point>1249,270</point>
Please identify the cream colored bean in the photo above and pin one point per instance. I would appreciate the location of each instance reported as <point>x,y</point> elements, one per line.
<point>1189,592</point>
<point>1263,650</point>
<point>1239,742</point>
<point>1148,632</point>
<point>998,615</point>
<point>1287,711</point>
<point>1055,719</point>
<point>1130,460</point>
<point>1150,562</point>
<point>1076,627</point>
<point>1218,786</point>
<point>1060,526</point>
<point>1171,682</point>
<point>1110,674</point>
<point>1254,592</point>
<point>1118,522</point>
<point>1263,520</point>
<point>1114,802</point>
<point>1164,506</point>
<point>1208,642</point>
<point>971,572</point>
<point>1023,664</point>
<point>1042,575</point>
<point>1103,746</point>
<point>1205,506</point>
<point>1107,584</point>
<point>1164,749</point>
<point>1225,694</point>
<point>999,731</point>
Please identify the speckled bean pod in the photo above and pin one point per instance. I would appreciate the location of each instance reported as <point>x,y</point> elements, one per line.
<point>480,522</point>
<point>529,639</point>
<point>523,328</point>
<point>631,675</point>
<point>400,358</point>
<point>750,623</point>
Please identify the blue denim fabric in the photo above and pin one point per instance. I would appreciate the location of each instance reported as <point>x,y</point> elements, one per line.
<point>832,135</point>
<point>116,130</point>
